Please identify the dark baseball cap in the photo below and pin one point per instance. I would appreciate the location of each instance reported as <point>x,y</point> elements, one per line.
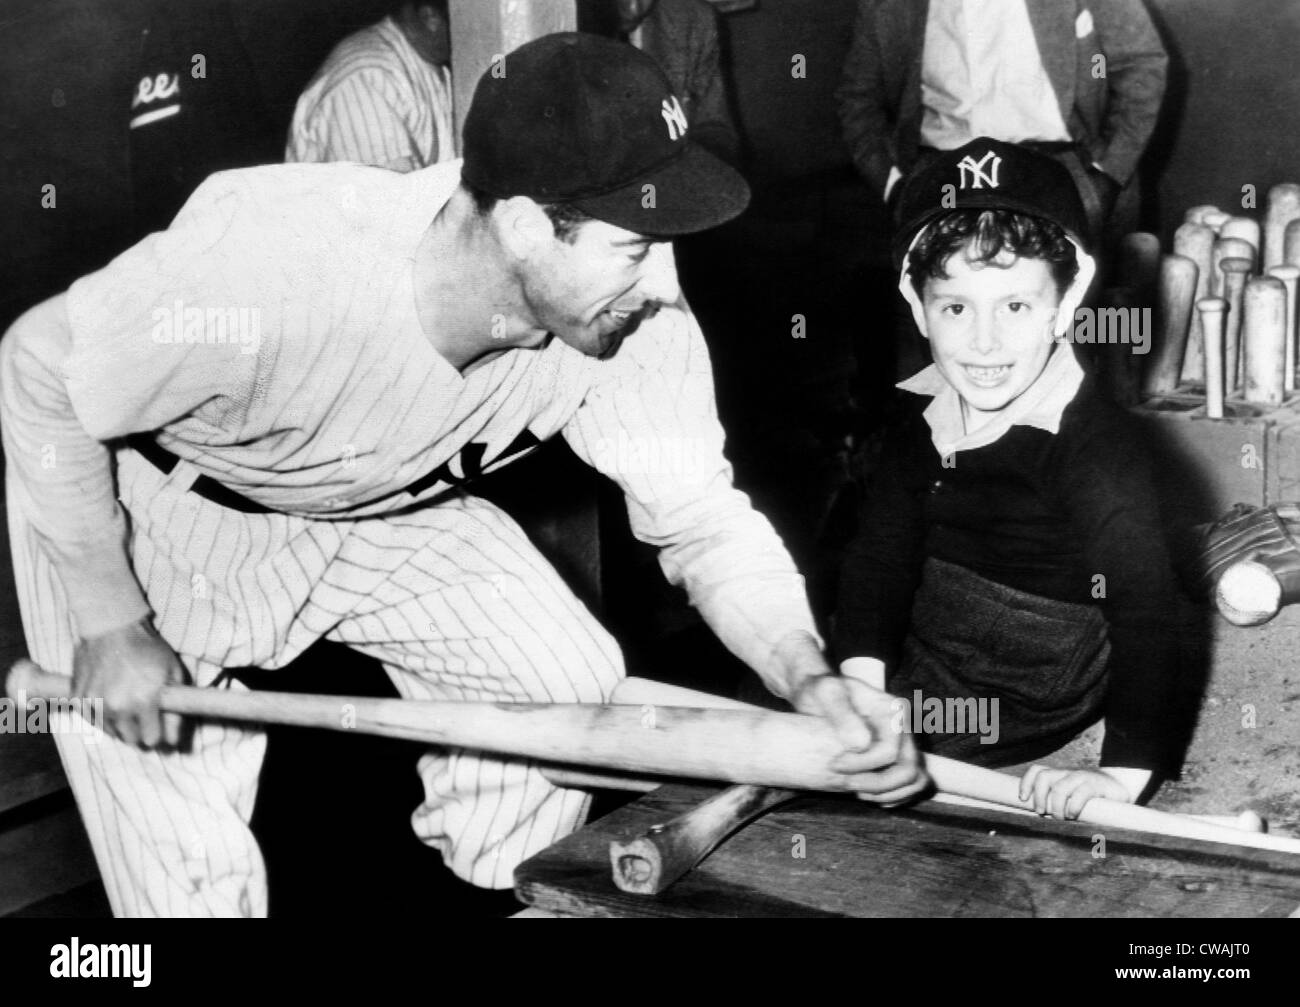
<point>989,174</point>
<point>580,119</point>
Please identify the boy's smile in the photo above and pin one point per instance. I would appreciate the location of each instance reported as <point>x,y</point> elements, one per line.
<point>990,328</point>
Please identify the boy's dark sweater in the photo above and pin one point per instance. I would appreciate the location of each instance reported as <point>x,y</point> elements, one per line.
<point>1048,514</point>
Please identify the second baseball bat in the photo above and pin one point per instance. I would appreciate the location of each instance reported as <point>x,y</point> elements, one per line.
<point>1178,286</point>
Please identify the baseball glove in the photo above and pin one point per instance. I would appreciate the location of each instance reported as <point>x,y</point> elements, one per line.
<point>1250,558</point>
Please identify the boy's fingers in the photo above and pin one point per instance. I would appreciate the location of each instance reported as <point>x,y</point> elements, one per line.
<point>1077,798</point>
<point>1043,784</point>
<point>1027,782</point>
<point>1058,797</point>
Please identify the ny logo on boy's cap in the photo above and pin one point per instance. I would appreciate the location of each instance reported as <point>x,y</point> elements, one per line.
<point>974,170</point>
<point>674,116</point>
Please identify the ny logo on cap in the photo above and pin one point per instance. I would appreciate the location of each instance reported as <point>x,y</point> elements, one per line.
<point>674,117</point>
<point>968,166</point>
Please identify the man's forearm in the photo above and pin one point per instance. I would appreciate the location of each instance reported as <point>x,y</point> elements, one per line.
<point>62,477</point>
<point>746,586</point>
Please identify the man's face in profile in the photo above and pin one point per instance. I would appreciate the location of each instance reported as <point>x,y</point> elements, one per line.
<point>593,289</point>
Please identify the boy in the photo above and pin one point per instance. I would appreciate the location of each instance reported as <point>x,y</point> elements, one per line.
<point>1010,556</point>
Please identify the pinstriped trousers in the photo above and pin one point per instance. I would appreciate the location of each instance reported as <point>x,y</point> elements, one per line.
<point>453,599</point>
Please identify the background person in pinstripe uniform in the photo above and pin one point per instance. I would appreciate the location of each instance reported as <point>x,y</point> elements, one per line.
<point>294,469</point>
<point>383,96</point>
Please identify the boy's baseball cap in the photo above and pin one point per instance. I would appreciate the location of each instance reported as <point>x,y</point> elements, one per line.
<point>989,174</point>
<point>580,119</point>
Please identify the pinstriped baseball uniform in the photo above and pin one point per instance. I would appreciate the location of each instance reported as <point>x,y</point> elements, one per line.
<point>375,100</point>
<point>325,402</point>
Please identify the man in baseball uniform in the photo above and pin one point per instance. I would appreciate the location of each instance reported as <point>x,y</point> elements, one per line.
<point>383,96</point>
<point>255,429</point>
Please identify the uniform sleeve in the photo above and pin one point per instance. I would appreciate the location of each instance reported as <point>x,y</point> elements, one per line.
<point>177,321</point>
<point>882,564</point>
<point>160,332</point>
<point>1136,67</point>
<point>1107,491</point>
<point>650,423</point>
<point>366,117</point>
<point>61,477</point>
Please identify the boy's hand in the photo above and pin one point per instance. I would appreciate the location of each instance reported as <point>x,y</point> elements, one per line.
<point>1062,793</point>
<point>879,761</point>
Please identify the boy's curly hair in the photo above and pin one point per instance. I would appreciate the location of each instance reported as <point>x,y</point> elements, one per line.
<point>984,235</point>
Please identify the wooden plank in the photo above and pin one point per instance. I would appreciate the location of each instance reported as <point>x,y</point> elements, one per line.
<point>929,860</point>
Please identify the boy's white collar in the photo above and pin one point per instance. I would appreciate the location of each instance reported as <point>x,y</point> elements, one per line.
<point>1041,406</point>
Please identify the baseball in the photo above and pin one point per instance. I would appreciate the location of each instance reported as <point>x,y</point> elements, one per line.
<point>1248,594</point>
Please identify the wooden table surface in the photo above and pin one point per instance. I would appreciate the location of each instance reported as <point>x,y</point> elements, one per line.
<point>928,860</point>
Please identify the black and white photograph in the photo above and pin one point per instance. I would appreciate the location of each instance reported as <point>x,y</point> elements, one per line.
<point>522,459</point>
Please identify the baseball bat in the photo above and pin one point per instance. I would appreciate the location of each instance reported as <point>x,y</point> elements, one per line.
<point>1228,248</point>
<point>1245,821</point>
<point>1291,243</point>
<point>1235,274</point>
<point>1178,284</point>
<point>956,782</point>
<point>1290,277</point>
<point>1215,220</point>
<point>1282,207</point>
<point>964,783</point>
<point>649,863</point>
<point>1243,228</point>
<point>741,745</point>
<point>1263,327</point>
<point>1211,311</point>
<point>737,746</point>
<point>1196,241</point>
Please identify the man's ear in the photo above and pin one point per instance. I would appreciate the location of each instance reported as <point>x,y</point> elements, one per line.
<point>524,228</point>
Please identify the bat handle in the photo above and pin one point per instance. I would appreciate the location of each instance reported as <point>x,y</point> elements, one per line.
<point>649,863</point>
<point>28,680</point>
